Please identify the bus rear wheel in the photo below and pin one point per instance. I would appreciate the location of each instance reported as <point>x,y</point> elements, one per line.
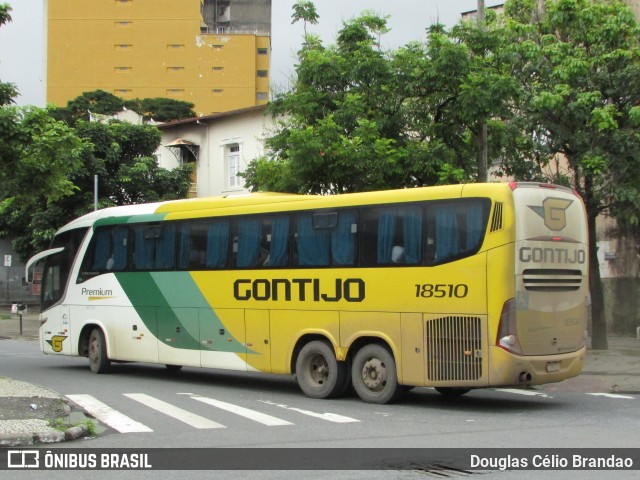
<point>318,372</point>
<point>98,360</point>
<point>374,375</point>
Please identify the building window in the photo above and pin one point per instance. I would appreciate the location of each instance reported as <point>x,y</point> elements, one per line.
<point>123,23</point>
<point>261,96</point>
<point>217,69</point>
<point>175,46</point>
<point>216,91</point>
<point>217,47</point>
<point>263,51</point>
<point>123,69</point>
<point>263,73</point>
<point>175,69</point>
<point>175,91</point>
<point>122,92</point>
<point>122,46</point>
<point>234,166</point>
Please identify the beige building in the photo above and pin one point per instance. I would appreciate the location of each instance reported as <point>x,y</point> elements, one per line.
<point>212,53</point>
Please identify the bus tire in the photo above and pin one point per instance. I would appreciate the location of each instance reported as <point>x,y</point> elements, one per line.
<point>374,375</point>
<point>318,372</point>
<point>98,360</point>
<point>452,392</point>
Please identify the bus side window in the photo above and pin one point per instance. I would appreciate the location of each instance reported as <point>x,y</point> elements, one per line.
<point>107,252</point>
<point>396,235</point>
<point>154,247</point>
<point>324,239</point>
<point>456,229</point>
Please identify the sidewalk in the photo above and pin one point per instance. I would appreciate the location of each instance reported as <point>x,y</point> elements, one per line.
<point>25,409</point>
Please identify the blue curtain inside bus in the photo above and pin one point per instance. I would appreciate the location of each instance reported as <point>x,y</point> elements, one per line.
<point>143,255</point>
<point>119,237</point>
<point>313,245</point>
<point>447,233</point>
<point>166,248</point>
<point>102,249</point>
<point>386,236</point>
<point>412,233</point>
<point>279,248</point>
<point>475,225</point>
<point>343,240</point>
<point>249,236</point>
<point>218,244</point>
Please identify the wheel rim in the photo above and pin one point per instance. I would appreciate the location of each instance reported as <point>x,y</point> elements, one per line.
<point>317,369</point>
<point>94,351</point>
<point>374,374</point>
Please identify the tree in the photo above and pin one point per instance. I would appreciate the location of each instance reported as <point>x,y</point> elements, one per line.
<point>579,71</point>
<point>120,154</point>
<point>304,10</point>
<point>162,109</point>
<point>37,156</point>
<point>7,90</point>
<point>359,118</point>
<point>105,103</point>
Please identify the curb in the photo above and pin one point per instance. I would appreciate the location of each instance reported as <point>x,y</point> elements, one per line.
<point>43,437</point>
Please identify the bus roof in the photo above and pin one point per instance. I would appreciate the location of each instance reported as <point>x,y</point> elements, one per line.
<point>274,202</point>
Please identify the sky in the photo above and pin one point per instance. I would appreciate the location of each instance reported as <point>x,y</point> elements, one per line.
<point>22,41</point>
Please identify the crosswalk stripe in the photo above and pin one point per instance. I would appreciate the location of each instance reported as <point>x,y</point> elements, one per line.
<point>189,418</point>
<point>244,412</point>
<point>530,393</point>
<point>331,417</point>
<point>611,395</point>
<point>108,415</point>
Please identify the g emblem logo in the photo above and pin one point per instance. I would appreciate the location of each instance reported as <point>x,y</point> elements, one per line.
<point>553,212</point>
<point>56,342</point>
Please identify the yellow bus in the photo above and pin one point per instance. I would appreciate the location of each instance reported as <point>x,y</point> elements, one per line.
<point>454,287</point>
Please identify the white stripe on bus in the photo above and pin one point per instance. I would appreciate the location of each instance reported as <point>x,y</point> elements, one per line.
<point>108,415</point>
<point>189,418</point>
<point>243,412</point>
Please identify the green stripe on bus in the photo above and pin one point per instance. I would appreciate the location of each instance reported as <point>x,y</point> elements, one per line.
<point>172,307</point>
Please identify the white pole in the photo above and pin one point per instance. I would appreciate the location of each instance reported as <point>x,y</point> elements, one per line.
<point>95,193</point>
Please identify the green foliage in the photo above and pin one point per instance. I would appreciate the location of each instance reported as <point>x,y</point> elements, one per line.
<point>359,118</point>
<point>162,109</point>
<point>120,154</point>
<point>105,103</point>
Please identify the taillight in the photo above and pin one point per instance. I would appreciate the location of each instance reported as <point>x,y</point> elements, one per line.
<point>507,338</point>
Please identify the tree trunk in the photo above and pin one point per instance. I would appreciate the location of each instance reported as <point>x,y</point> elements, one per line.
<point>598,322</point>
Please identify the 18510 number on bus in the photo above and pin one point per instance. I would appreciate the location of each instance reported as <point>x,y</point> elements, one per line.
<point>441,290</point>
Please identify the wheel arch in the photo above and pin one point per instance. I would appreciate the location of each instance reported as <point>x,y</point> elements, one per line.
<point>305,339</point>
<point>83,338</point>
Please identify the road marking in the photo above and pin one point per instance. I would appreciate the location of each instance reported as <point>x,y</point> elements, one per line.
<point>611,395</point>
<point>189,418</point>
<point>108,415</point>
<point>530,393</point>
<point>243,412</point>
<point>331,417</point>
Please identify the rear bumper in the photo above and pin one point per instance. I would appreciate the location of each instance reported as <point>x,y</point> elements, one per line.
<point>506,369</point>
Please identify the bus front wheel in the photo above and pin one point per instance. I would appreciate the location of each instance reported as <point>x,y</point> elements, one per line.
<point>98,360</point>
<point>318,372</point>
<point>374,375</point>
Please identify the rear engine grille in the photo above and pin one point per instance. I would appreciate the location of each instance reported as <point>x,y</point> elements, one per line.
<point>454,348</point>
<point>551,280</point>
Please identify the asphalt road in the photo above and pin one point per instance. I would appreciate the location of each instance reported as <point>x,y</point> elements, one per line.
<point>197,408</point>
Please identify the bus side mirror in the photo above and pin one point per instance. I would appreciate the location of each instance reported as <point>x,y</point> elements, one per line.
<point>35,259</point>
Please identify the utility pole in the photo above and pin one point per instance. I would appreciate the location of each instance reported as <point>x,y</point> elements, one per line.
<point>483,153</point>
